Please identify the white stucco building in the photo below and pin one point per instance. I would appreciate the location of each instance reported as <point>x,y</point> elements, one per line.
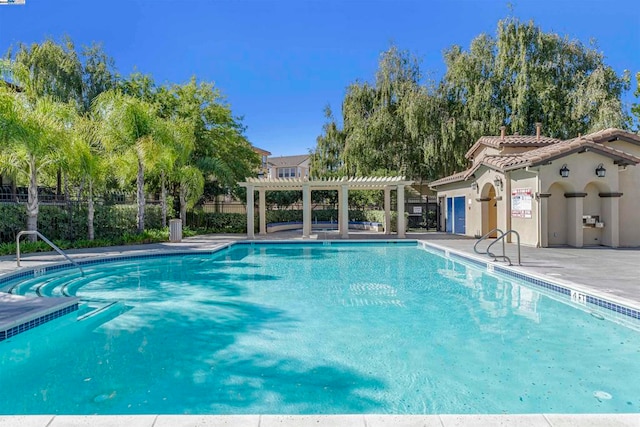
<point>578,192</point>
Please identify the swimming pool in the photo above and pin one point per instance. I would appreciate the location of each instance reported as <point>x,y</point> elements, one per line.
<point>313,328</point>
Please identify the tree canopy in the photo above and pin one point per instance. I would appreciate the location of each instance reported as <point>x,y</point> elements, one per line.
<point>403,124</point>
<point>153,138</point>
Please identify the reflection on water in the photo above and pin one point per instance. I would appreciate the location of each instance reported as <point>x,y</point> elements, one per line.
<point>320,329</point>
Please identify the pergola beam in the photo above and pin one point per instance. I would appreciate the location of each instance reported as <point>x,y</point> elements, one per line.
<point>342,185</point>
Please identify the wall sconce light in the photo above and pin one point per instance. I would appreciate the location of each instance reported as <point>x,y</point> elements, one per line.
<point>601,171</point>
<point>474,185</point>
<point>498,182</point>
<point>564,171</point>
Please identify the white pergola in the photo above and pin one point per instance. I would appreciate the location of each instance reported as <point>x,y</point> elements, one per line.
<point>343,185</point>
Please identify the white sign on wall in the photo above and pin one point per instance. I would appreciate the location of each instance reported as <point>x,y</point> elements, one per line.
<point>521,201</point>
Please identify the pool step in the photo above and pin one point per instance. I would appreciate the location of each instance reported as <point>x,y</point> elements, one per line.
<point>19,313</point>
<point>62,285</point>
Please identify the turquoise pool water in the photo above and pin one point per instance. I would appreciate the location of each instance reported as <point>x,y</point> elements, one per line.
<point>299,329</point>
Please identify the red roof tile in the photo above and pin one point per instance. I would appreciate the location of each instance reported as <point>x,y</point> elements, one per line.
<point>548,152</point>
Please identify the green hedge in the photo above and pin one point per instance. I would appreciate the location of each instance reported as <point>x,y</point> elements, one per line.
<point>113,222</point>
<point>215,222</point>
<point>61,222</point>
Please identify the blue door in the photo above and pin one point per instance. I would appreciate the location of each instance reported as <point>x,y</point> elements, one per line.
<point>459,223</point>
<point>448,219</point>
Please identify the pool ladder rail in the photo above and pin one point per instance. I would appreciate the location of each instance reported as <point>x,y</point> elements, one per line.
<point>500,237</point>
<point>48,242</point>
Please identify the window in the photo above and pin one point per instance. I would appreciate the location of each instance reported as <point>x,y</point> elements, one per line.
<point>286,172</point>
<point>264,161</point>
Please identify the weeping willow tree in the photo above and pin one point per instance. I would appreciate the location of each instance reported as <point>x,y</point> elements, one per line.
<point>382,129</point>
<point>516,78</point>
<point>326,160</point>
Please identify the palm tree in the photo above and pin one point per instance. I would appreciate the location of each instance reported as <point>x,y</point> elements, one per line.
<point>191,188</point>
<point>129,128</point>
<point>87,163</point>
<point>32,136</point>
<point>175,142</point>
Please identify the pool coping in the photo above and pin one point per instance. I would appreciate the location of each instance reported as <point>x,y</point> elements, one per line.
<point>580,295</point>
<point>353,420</point>
<point>356,420</point>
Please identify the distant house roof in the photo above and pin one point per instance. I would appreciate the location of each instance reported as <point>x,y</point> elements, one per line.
<point>549,152</point>
<point>288,161</point>
<point>260,151</point>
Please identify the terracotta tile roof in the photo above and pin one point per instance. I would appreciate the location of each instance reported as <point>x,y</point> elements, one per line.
<point>512,141</point>
<point>612,134</point>
<point>592,142</point>
<point>460,176</point>
<point>546,154</point>
<point>501,162</point>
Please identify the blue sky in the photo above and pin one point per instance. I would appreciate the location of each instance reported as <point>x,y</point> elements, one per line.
<point>278,63</point>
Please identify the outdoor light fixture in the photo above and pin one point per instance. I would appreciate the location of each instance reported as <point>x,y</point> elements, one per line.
<point>498,182</point>
<point>564,171</point>
<point>601,171</point>
<point>474,185</point>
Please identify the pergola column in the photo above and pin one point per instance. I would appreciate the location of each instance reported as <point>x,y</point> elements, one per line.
<point>250,212</point>
<point>575,205</point>
<point>306,211</point>
<point>262,214</point>
<point>343,211</point>
<point>401,224</point>
<point>387,210</point>
<point>610,209</point>
<point>544,219</point>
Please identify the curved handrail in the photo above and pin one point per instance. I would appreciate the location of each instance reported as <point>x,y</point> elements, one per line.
<point>47,241</point>
<point>503,251</point>
<point>485,237</point>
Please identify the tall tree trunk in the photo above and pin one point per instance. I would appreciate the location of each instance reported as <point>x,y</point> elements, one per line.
<point>163,199</point>
<point>32,200</point>
<point>90,212</point>
<point>141,201</point>
<point>183,204</point>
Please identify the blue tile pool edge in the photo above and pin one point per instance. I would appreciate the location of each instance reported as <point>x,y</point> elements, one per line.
<point>578,295</point>
<point>545,283</point>
<point>42,270</point>
<point>40,319</point>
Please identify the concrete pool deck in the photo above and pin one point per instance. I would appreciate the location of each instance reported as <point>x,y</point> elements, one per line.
<point>604,271</point>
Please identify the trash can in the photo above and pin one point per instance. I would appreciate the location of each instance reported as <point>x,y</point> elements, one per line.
<point>175,230</point>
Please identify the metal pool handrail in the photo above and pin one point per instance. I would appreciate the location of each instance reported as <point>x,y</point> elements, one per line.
<point>485,237</point>
<point>495,257</point>
<point>47,241</point>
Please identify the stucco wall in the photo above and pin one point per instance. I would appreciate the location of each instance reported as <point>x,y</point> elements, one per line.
<point>567,200</point>
<point>565,214</point>
<point>629,203</point>
<point>455,190</point>
<point>526,227</point>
